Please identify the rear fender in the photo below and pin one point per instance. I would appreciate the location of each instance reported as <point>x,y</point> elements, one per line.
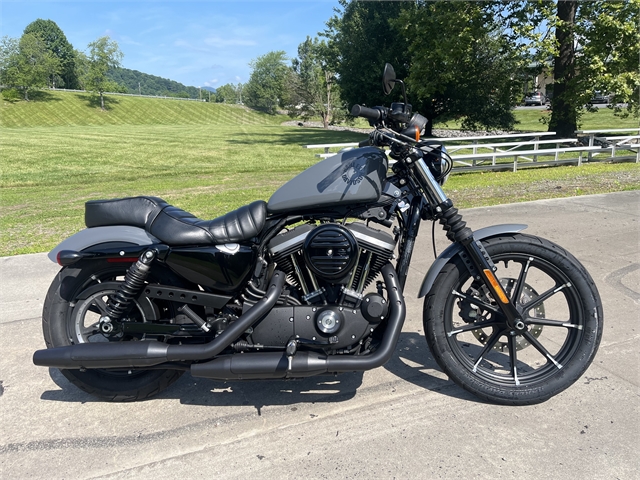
<point>91,237</point>
<point>455,248</point>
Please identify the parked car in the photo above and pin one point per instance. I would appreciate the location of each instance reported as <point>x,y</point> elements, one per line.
<point>534,99</point>
<point>599,97</point>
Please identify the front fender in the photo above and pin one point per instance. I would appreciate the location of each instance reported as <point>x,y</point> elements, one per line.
<point>455,248</point>
<point>97,235</point>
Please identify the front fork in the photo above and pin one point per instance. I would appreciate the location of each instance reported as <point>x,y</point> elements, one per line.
<point>479,263</point>
<point>475,256</point>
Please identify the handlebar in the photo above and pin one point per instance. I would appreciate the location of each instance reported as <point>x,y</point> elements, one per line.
<point>374,114</point>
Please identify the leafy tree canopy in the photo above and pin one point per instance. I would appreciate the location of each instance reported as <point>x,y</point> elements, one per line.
<point>454,57</point>
<point>267,87</point>
<point>229,93</point>
<point>313,84</point>
<point>362,39</point>
<point>27,64</point>
<point>104,54</point>
<point>57,44</point>
<point>465,71</point>
<point>595,46</point>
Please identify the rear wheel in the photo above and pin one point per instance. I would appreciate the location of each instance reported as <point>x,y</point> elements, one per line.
<point>74,304</point>
<point>561,308</point>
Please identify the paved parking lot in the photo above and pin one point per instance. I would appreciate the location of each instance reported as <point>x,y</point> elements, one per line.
<point>405,420</point>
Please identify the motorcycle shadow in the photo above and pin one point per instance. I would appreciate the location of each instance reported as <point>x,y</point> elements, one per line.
<point>412,362</point>
<point>257,393</point>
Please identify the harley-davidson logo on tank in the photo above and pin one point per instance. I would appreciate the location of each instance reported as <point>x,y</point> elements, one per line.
<point>354,176</point>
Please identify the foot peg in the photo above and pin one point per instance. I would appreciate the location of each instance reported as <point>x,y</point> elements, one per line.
<point>292,348</point>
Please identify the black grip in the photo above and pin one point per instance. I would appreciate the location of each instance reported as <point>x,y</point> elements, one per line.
<point>365,143</point>
<point>366,112</point>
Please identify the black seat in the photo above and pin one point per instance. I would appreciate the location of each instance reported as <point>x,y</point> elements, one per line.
<point>174,226</point>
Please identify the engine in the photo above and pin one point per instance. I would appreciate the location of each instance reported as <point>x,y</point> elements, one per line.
<point>324,305</point>
<point>332,263</point>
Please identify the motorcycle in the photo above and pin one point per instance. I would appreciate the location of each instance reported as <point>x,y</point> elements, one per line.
<point>305,284</point>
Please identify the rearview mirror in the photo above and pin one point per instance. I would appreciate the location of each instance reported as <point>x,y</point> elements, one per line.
<point>388,79</point>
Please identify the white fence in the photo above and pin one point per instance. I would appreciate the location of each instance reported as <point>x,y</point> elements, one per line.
<point>527,149</point>
<point>617,142</point>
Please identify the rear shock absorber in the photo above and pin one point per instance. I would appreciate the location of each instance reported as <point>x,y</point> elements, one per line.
<point>134,280</point>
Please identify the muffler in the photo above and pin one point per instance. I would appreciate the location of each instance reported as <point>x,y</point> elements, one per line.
<point>251,366</point>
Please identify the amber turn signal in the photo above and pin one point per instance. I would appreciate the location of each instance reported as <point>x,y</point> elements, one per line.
<point>496,285</point>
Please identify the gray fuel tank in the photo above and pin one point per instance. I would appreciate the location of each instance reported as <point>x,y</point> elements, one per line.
<point>350,177</point>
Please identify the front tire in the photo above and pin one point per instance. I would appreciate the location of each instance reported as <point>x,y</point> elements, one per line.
<point>562,311</point>
<point>72,308</point>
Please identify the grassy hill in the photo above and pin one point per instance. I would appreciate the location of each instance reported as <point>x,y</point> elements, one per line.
<point>53,108</point>
<point>60,150</point>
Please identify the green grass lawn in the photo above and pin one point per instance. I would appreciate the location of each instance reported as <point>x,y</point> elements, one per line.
<point>232,157</point>
<point>48,173</point>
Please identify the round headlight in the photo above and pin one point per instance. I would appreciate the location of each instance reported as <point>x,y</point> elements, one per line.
<point>438,160</point>
<point>446,164</point>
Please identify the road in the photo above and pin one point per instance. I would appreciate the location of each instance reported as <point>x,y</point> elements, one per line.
<point>547,106</point>
<point>405,420</point>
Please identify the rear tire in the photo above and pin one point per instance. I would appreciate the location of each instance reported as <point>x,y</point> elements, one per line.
<point>562,311</point>
<point>71,309</point>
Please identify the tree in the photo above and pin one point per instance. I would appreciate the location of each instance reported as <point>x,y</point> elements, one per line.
<point>226,94</point>
<point>267,85</point>
<point>455,57</point>
<point>314,86</point>
<point>595,47</point>
<point>57,44</point>
<point>104,54</point>
<point>564,115</point>
<point>609,50</point>
<point>360,40</point>
<point>80,67</point>
<point>229,93</point>
<point>27,64</point>
<point>466,70</point>
<point>8,57</point>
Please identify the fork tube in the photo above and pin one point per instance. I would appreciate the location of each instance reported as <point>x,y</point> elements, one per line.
<point>431,187</point>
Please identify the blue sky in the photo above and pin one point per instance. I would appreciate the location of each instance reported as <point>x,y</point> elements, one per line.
<point>198,43</point>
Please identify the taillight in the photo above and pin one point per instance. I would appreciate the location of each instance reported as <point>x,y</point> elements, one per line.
<point>122,260</point>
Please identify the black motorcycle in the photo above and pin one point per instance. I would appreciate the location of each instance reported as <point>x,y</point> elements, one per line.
<point>304,284</point>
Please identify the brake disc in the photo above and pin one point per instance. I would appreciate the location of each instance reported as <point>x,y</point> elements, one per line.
<point>528,294</point>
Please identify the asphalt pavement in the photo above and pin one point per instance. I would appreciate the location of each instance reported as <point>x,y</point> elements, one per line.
<point>404,420</point>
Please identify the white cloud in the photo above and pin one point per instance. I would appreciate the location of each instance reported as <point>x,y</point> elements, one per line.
<point>229,42</point>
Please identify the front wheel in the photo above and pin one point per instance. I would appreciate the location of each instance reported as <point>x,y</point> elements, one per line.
<point>471,341</point>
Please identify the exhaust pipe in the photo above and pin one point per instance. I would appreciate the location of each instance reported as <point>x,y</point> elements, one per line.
<point>305,364</point>
<point>257,365</point>
<point>147,354</point>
